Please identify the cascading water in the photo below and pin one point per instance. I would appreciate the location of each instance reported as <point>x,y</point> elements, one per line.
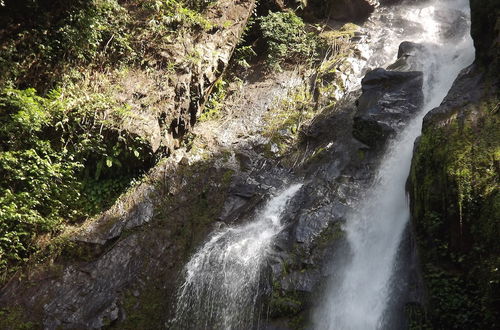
<point>223,279</point>
<point>358,297</point>
<point>222,287</point>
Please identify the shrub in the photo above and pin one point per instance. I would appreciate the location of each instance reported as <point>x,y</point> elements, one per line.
<point>44,40</point>
<point>79,33</point>
<point>215,101</point>
<point>286,39</point>
<point>199,5</point>
<point>172,15</point>
<point>59,162</point>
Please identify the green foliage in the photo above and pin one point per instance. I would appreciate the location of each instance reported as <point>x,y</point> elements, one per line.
<point>214,104</point>
<point>453,300</point>
<point>286,39</point>
<point>242,55</point>
<point>171,15</point>
<point>38,51</point>
<point>286,119</point>
<point>92,31</point>
<point>415,314</point>
<point>14,319</point>
<point>78,34</point>
<point>337,46</point>
<point>244,51</point>
<point>284,305</point>
<point>59,162</point>
<point>288,305</point>
<point>227,177</point>
<point>303,104</point>
<point>198,5</point>
<point>143,311</point>
<point>63,153</point>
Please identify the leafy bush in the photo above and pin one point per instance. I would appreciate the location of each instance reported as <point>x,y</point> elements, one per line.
<point>77,34</point>
<point>286,119</point>
<point>214,103</point>
<point>198,5</point>
<point>45,40</point>
<point>286,39</point>
<point>59,163</point>
<point>172,15</point>
<point>242,54</point>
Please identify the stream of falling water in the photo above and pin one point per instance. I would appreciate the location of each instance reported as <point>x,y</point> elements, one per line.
<point>222,282</point>
<point>357,299</point>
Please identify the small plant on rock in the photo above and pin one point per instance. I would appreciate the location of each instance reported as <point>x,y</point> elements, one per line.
<point>286,39</point>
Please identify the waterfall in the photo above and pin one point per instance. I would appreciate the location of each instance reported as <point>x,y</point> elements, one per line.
<point>359,294</point>
<point>222,285</point>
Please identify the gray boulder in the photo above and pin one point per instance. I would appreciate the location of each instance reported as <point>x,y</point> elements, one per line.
<point>388,100</point>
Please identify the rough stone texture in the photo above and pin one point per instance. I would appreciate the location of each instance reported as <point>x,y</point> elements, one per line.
<point>454,200</point>
<point>388,100</point>
<point>166,108</point>
<point>92,292</point>
<point>349,9</point>
<point>485,30</point>
<point>408,47</point>
<point>334,181</point>
<point>416,54</point>
<point>146,238</point>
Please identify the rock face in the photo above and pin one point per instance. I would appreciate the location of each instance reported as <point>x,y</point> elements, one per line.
<point>389,100</point>
<point>334,179</point>
<point>115,274</point>
<point>101,272</point>
<point>485,31</point>
<point>347,9</point>
<point>454,197</point>
<point>167,108</point>
<point>122,269</point>
<point>121,272</point>
<point>408,47</point>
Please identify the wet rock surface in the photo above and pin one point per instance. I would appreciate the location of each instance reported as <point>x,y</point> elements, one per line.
<point>388,101</point>
<point>462,228</point>
<point>465,126</point>
<point>347,9</point>
<point>335,182</point>
<point>343,10</point>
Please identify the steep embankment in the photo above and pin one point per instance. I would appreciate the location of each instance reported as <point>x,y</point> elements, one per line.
<point>92,95</point>
<point>454,190</point>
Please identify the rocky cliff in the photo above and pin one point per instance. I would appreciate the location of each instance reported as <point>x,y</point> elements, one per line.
<point>454,192</point>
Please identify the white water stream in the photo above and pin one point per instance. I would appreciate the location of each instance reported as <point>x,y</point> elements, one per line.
<point>357,299</point>
<point>221,289</point>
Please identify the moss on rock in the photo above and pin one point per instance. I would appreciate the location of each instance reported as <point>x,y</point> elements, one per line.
<point>456,210</point>
<point>14,319</point>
